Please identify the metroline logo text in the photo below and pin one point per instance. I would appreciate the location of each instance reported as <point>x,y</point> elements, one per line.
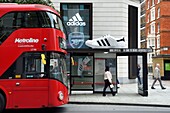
<point>25,40</point>
<point>76,21</point>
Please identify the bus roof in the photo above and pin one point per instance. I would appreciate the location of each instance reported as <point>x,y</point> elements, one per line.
<point>5,8</point>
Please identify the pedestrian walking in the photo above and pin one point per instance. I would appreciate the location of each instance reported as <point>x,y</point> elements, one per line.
<point>138,74</point>
<point>157,76</point>
<point>118,83</point>
<point>108,81</point>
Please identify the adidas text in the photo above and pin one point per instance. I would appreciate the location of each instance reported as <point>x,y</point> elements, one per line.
<point>76,23</point>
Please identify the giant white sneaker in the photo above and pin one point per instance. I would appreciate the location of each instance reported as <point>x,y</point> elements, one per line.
<point>106,41</point>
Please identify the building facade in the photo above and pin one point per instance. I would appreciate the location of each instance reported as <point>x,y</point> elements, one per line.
<point>143,39</point>
<point>94,19</point>
<point>157,34</point>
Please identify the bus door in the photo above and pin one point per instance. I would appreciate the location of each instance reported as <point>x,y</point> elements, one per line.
<point>31,86</point>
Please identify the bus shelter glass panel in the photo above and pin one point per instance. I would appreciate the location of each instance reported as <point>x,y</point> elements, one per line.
<point>140,74</point>
<point>81,72</point>
<point>82,66</point>
<point>79,83</point>
<point>101,61</point>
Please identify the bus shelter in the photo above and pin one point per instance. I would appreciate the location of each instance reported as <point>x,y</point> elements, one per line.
<point>91,78</point>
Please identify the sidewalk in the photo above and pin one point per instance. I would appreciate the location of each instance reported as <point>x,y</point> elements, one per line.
<point>127,95</point>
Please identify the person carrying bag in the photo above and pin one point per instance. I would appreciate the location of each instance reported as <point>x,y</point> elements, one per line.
<point>108,81</point>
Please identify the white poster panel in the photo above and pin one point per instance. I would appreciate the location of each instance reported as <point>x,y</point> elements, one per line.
<point>99,66</point>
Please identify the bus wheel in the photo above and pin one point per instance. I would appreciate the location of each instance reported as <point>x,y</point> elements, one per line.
<point>2,103</point>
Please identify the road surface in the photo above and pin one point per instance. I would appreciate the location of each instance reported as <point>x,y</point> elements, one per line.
<point>84,108</point>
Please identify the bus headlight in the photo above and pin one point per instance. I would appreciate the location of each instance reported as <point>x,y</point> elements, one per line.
<point>60,95</point>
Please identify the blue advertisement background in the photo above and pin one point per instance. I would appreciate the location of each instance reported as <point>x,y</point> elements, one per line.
<point>77,22</point>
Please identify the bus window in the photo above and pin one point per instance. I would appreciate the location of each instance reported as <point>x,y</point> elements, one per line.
<point>52,18</point>
<point>58,68</point>
<point>49,19</point>
<point>31,19</point>
<point>64,70</point>
<point>44,20</point>
<point>6,27</point>
<point>61,25</point>
<point>34,68</point>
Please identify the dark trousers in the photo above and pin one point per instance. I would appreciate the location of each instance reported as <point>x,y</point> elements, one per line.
<point>107,83</point>
<point>117,81</point>
<point>159,79</point>
<point>139,79</point>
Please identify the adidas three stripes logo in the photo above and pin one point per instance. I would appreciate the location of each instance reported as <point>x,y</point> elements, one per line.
<point>76,21</point>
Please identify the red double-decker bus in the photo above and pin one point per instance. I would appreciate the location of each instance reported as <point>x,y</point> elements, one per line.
<point>32,57</point>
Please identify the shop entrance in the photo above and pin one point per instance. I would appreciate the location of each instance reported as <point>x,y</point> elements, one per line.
<point>166,70</point>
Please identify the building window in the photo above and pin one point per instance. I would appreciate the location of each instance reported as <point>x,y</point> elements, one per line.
<point>158,52</point>
<point>152,27</point>
<point>153,2</point>
<point>150,69</point>
<point>149,42</point>
<point>152,14</point>
<point>153,42</point>
<point>148,30</point>
<point>148,4</point>
<point>158,1</point>
<point>78,21</point>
